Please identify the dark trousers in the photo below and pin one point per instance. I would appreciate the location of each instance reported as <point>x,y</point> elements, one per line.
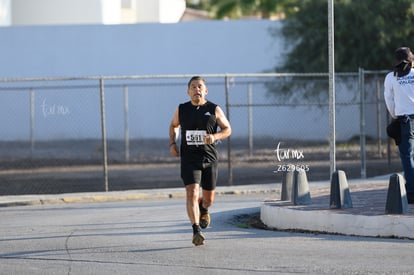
<point>406,149</point>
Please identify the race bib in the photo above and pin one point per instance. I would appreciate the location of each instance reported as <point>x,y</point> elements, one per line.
<point>195,137</point>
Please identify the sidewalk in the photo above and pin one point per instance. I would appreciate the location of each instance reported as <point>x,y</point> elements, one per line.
<point>366,218</point>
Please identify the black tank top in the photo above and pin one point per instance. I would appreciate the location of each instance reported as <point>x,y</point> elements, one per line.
<point>195,122</point>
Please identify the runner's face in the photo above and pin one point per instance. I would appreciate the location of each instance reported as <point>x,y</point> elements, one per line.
<point>197,91</point>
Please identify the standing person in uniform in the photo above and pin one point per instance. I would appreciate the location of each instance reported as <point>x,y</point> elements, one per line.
<point>199,120</point>
<point>399,98</point>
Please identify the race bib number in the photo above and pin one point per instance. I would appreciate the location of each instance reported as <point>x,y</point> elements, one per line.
<point>195,137</point>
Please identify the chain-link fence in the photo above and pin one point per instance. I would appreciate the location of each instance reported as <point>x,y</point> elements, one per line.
<point>111,133</point>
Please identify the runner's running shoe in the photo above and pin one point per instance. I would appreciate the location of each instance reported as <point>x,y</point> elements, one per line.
<point>198,238</point>
<point>204,220</point>
<point>204,215</point>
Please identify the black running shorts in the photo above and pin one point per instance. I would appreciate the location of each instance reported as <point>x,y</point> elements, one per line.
<point>204,174</point>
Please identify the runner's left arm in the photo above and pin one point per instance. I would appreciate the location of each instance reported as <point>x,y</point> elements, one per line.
<point>173,133</point>
<point>223,123</point>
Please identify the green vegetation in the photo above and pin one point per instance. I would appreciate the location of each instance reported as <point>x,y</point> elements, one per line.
<point>366,31</point>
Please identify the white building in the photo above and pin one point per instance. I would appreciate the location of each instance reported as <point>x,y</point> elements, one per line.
<point>78,12</point>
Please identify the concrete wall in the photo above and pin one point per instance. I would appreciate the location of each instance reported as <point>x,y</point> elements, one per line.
<point>139,49</point>
<point>219,47</point>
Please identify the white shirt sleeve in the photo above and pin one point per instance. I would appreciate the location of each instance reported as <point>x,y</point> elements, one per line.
<point>389,94</point>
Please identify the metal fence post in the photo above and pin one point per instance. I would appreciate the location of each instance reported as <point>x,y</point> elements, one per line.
<point>388,144</point>
<point>126,127</point>
<point>103,129</point>
<point>361,88</point>
<point>332,103</point>
<point>379,120</point>
<point>229,162</point>
<point>250,120</point>
<point>32,121</point>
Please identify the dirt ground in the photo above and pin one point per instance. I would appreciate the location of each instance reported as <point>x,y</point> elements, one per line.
<point>64,167</point>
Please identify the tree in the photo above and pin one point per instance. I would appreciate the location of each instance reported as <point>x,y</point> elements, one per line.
<point>366,34</point>
<point>366,31</point>
<point>235,9</point>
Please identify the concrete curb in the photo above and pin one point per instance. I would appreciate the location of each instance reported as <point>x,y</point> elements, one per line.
<point>84,198</point>
<point>347,224</point>
<point>27,200</point>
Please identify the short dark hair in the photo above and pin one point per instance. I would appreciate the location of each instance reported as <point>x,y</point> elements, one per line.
<point>196,78</point>
<point>403,55</point>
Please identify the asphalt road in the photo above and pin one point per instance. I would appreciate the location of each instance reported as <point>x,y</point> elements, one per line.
<point>154,237</point>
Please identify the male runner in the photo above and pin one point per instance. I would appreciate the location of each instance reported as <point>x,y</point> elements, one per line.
<point>198,120</point>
